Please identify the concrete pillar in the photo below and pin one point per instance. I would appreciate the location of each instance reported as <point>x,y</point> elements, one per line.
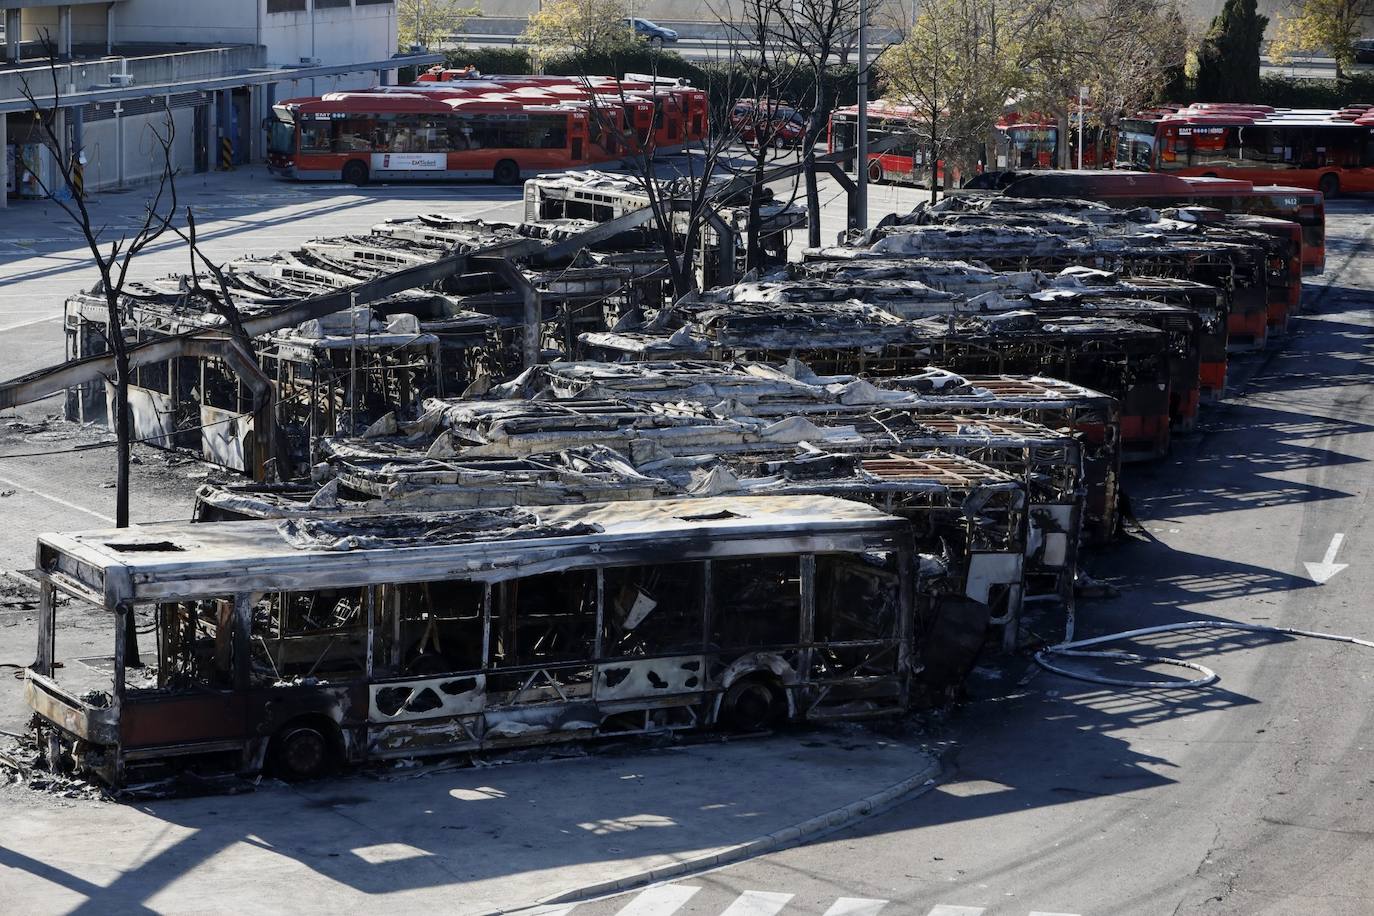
<point>64,32</point>
<point>109,27</point>
<point>14,26</point>
<point>4,160</point>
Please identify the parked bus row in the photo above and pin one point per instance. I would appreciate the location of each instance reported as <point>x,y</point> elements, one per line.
<point>449,125</point>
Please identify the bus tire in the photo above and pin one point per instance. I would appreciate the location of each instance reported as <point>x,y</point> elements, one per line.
<point>305,749</point>
<point>875,172</point>
<point>506,172</point>
<point>355,172</point>
<point>1330,185</point>
<point>752,704</point>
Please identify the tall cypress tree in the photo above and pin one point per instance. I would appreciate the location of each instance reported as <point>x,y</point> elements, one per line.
<point>1229,58</point>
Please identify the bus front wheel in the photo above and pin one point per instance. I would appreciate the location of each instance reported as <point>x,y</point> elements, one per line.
<point>1330,185</point>
<point>875,172</point>
<point>355,172</point>
<point>506,172</point>
<point>751,705</point>
<point>303,750</point>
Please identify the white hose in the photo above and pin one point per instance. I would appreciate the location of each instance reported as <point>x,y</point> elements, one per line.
<point>1074,650</point>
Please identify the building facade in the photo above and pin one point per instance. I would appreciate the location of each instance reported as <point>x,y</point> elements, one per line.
<point>113,71</point>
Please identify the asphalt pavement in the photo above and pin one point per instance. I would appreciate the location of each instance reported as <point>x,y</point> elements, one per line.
<point>1252,796</point>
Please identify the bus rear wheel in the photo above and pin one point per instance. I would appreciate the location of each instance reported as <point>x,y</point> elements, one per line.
<point>355,172</point>
<point>751,705</point>
<point>506,172</point>
<point>1330,185</point>
<point>875,172</point>
<point>302,751</point>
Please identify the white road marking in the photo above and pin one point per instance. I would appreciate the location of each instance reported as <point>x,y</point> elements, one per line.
<point>57,499</point>
<point>757,903</point>
<point>32,321</point>
<point>1043,913</point>
<point>855,906</point>
<point>659,901</point>
<point>947,910</point>
<point>1328,567</point>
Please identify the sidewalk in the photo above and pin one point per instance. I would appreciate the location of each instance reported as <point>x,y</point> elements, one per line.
<point>463,841</point>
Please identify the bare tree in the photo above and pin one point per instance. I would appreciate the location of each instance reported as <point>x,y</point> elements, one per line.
<point>112,256</point>
<point>814,31</point>
<point>763,72</point>
<point>681,199</point>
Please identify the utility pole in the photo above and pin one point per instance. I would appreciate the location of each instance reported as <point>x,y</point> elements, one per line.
<point>1082,97</point>
<point>861,166</point>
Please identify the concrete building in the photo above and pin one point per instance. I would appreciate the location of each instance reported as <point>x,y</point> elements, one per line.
<point>111,72</point>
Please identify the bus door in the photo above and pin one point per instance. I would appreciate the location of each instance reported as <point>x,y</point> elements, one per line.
<point>194,698</point>
<point>652,668</point>
<point>540,657</point>
<point>427,689</point>
<point>577,137</point>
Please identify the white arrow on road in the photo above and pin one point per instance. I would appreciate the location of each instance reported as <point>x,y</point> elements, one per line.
<point>1321,572</point>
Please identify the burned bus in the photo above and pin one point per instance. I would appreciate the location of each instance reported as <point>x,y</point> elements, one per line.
<point>303,644</point>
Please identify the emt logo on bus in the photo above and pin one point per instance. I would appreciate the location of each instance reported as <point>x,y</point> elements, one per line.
<point>409,162</point>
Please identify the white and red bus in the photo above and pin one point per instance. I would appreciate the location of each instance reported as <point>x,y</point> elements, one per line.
<point>906,164</point>
<point>1031,141</point>
<point>499,128</point>
<point>360,136</point>
<point>680,113</point>
<point>1326,150</point>
<point>1123,188</point>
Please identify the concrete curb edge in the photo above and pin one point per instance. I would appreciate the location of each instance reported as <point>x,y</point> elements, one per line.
<point>834,819</point>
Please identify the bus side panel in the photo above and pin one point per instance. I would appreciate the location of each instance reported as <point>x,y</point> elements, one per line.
<point>149,719</point>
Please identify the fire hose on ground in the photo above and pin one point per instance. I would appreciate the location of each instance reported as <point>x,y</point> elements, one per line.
<point>1079,649</point>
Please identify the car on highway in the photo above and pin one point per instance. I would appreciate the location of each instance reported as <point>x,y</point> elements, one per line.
<point>651,32</point>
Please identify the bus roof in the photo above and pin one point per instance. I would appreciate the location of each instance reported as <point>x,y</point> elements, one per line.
<point>1093,184</point>
<point>181,560</point>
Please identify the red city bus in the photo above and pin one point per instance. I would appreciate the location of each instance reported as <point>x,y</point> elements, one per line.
<point>1325,150</point>
<point>906,164</point>
<point>681,111</point>
<point>359,136</point>
<point>1120,187</point>
<point>1031,141</point>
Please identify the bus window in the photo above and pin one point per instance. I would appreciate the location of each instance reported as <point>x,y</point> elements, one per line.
<point>543,619</point>
<point>309,634</point>
<point>353,135</point>
<point>440,626</point>
<point>756,602</point>
<point>315,136</point>
<point>856,597</point>
<point>653,610</point>
<point>195,645</point>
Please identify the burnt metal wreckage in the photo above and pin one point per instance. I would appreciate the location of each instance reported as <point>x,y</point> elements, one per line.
<point>507,488</point>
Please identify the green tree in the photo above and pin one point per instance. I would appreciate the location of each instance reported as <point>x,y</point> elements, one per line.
<point>427,22</point>
<point>589,26</point>
<point>1229,57</point>
<point>955,68</point>
<point>1322,25</point>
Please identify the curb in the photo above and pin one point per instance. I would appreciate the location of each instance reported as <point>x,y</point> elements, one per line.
<point>835,819</point>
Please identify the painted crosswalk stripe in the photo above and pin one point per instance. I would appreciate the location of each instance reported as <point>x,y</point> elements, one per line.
<point>659,901</point>
<point>856,906</point>
<point>757,903</point>
<point>945,909</point>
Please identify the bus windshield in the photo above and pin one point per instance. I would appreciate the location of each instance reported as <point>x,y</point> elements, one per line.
<point>1135,146</point>
<point>281,134</point>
